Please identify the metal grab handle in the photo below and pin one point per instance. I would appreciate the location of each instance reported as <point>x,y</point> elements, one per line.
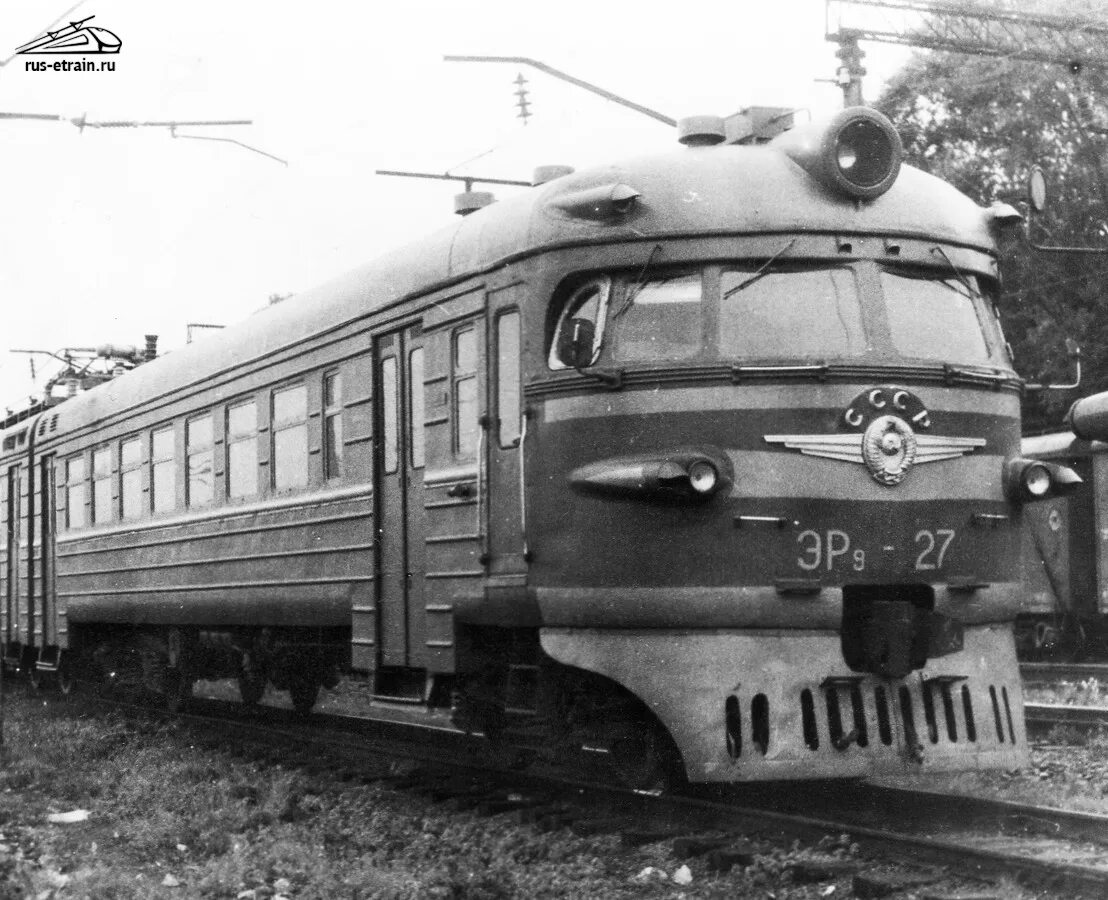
<point>526,414</point>
<point>482,533</point>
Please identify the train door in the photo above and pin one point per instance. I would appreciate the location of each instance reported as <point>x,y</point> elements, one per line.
<point>398,408</point>
<point>507,542</point>
<point>47,514</point>
<point>14,512</point>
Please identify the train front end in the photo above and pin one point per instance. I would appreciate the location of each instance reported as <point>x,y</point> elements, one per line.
<point>774,470</point>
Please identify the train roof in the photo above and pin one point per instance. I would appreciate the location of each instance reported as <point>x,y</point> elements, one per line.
<point>687,192</point>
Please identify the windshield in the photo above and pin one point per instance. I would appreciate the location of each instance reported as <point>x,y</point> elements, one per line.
<point>813,313</point>
<point>783,311</point>
<point>660,319</point>
<point>935,319</point>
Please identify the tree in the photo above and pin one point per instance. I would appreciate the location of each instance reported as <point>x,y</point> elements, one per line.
<point>981,124</point>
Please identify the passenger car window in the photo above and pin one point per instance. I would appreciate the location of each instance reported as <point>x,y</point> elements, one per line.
<point>659,319</point>
<point>332,425</point>
<point>201,478</point>
<point>589,302</point>
<point>163,470</point>
<point>290,438</point>
<point>795,313</point>
<point>130,478</point>
<point>75,492</point>
<point>242,450</point>
<point>102,485</point>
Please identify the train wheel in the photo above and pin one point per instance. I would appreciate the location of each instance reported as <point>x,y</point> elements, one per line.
<point>303,692</point>
<point>252,689</point>
<point>645,759</point>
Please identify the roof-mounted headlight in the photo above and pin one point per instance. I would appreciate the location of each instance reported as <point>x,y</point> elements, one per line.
<point>856,153</point>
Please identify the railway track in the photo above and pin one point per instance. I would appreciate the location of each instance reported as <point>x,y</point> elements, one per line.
<point>1039,846</point>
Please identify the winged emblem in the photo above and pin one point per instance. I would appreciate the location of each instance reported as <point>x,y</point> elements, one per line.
<point>888,446</point>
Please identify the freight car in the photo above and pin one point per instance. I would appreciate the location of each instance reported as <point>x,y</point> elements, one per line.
<point>709,458</point>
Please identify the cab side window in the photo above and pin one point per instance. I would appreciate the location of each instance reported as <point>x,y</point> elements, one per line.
<point>585,308</point>
<point>508,378</point>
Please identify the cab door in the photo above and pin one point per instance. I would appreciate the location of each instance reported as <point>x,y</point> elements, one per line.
<point>399,462</point>
<point>507,435</point>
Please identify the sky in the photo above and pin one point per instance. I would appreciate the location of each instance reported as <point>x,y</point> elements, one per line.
<point>113,234</point>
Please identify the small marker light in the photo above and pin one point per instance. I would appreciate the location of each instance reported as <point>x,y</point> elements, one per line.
<point>1036,480</point>
<point>703,476</point>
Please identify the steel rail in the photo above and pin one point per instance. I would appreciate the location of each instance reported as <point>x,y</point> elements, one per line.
<point>1045,672</point>
<point>1043,714</point>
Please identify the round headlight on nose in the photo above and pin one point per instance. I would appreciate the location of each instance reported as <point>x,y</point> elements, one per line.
<point>703,477</point>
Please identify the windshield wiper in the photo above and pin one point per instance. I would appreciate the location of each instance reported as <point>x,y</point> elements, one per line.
<point>761,271</point>
<point>640,283</point>
<point>973,292</point>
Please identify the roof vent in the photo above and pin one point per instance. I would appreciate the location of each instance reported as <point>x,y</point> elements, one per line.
<point>470,201</point>
<point>543,174</point>
<point>701,131</point>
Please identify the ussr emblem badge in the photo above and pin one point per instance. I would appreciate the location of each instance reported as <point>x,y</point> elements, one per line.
<point>887,435</point>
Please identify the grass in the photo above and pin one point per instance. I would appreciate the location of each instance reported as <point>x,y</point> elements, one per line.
<point>215,825</point>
